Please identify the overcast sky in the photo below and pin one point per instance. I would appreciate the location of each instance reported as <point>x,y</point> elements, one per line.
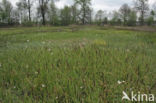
<point>108,5</point>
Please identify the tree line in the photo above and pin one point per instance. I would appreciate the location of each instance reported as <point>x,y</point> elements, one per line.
<point>45,12</point>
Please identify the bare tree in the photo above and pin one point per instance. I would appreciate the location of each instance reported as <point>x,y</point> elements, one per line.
<point>142,7</point>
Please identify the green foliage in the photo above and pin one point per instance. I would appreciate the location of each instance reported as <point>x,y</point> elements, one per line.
<point>116,20</point>
<point>132,18</point>
<point>150,20</point>
<point>75,13</point>
<point>5,11</point>
<point>53,13</point>
<point>99,17</point>
<point>80,12</point>
<point>142,7</point>
<point>25,8</point>
<point>105,20</point>
<point>66,16</point>
<point>125,11</point>
<point>28,23</point>
<point>85,10</point>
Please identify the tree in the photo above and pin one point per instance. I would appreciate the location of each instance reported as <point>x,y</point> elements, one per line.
<point>24,7</point>
<point>142,7</point>
<point>150,19</point>
<point>5,11</point>
<point>85,10</point>
<point>75,13</point>
<point>65,15</point>
<point>22,12</point>
<point>105,20</point>
<point>154,8</point>
<point>116,20</point>
<point>29,6</point>
<point>53,14</point>
<point>89,16</point>
<point>43,9</point>
<point>15,16</point>
<point>125,11</point>
<point>132,18</point>
<point>43,6</point>
<point>99,17</point>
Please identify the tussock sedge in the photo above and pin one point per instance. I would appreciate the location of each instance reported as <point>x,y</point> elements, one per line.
<point>90,65</point>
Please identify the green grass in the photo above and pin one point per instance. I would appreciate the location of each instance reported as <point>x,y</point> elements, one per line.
<point>59,65</point>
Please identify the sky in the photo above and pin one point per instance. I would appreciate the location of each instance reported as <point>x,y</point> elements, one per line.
<point>107,5</point>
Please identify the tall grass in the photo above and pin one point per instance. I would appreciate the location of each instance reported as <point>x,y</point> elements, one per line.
<point>75,67</point>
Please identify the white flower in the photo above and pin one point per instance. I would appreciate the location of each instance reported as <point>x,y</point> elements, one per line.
<point>14,87</point>
<point>120,82</point>
<point>49,49</point>
<point>27,66</point>
<point>43,85</point>
<point>128,50</point>
<point>27,40</point>
<point>56,97</point>
<point>52,53</point>
<point>43,42</point>
<point>81,87</point>
<point>36,73</point>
